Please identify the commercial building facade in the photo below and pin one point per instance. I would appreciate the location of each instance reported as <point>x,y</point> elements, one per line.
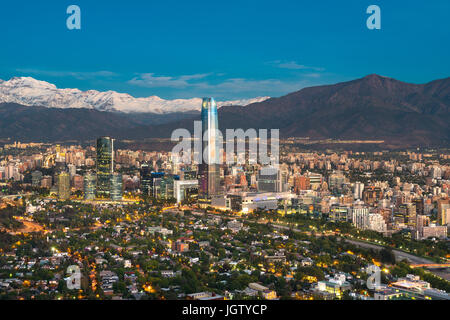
<point>209,168</point>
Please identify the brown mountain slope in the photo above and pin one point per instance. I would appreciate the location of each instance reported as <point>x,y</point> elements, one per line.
<point>373,107</point>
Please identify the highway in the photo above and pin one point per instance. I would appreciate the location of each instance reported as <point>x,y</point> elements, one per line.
<point>399,255</point>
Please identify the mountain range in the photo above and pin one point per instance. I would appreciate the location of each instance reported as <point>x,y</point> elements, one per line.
<point>371,108</point>
<point>31,92</point>
<point>374,107</point>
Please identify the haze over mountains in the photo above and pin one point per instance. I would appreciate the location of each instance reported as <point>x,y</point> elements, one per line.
<point>370,108</point>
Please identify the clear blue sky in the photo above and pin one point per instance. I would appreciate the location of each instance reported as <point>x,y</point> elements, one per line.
<point>227,49</point>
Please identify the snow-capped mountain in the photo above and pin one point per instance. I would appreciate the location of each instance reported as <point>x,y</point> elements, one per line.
<point>31,92</point>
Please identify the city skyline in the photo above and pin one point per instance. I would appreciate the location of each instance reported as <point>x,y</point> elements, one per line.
<point>263,227</point>
<point>319,169</point>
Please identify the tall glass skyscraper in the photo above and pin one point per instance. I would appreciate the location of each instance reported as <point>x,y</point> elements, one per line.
<point>105,163</point>
<point>36,177</point>
<point>146,179</point>
<point>156,178</point>
<point>63,186</point>
<point>209,169</point>
<point>89,186</point>
<point>166,187</point>
<point>116,186</point>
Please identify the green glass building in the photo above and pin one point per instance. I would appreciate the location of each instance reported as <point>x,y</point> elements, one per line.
<point>36,177</point>
<point>166,187</point>
<point>116,187</point>
<point>89,186</point>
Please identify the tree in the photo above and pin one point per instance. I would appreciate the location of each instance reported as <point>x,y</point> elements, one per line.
<point>387,256</point>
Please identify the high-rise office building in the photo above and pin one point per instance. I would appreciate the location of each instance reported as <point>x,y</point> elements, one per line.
<point>36,177</point>
<point>358,190</point>
<point>105,165</point>
<point>72,169</point>
<point>336,181</point>
<point>156,178</point>
<point>166,187</point>
<point>360,217</point>
<point>420,208</point>
<point>269,180</point>
<point>116,187</point>
<point>146,179</point>
<point>407,214</point>
<point>78,182</point>
<point>89,186</point>
<point>209,168</point>
<point>63,186</point>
